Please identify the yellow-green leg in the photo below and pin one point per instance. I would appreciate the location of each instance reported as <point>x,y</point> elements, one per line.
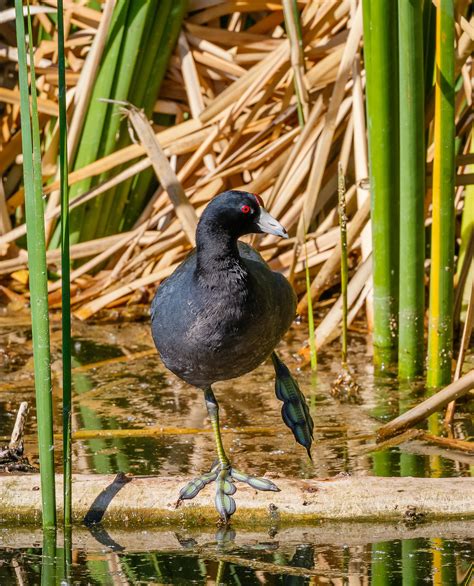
<point>221,471</point>
<point>213,412</point>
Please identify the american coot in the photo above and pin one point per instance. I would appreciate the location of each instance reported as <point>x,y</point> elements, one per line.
<point>220,315</point>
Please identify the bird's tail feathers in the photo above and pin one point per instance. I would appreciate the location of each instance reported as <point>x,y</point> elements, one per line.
<point>295,410</point>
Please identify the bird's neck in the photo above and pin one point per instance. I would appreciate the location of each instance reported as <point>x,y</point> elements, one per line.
<point>217,250</point>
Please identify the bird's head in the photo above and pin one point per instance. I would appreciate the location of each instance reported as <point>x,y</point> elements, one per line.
<point>239,213</point>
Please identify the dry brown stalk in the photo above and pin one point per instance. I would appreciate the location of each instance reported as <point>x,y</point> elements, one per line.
<point>232,93</point>
<point>322,152</point>
<point>332,264</point>
<point>167,177</point>
<point>328,329</point>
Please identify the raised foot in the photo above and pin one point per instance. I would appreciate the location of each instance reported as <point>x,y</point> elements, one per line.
<point>224,477</point>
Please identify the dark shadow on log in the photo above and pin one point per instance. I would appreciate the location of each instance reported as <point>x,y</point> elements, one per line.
<point>97,510</point>
<point>96,513</point>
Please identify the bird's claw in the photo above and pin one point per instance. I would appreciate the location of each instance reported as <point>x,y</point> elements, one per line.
<point>195,486</point>
<point>254,481</point>
<point>224,476</point>
<point>225,487</point>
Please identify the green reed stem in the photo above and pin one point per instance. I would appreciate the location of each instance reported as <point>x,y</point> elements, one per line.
<point>38,270</point>
<point>116,199</point>
<point>440,331</point>
<point>96,117</point>
<point>380,56</point>
<point>467,229</point>
<point>132,52</point>
<point>313,353</point>
<point>65,272</point>
<point>141,184</point>
<point>412,188</point>
<point>341,190</point>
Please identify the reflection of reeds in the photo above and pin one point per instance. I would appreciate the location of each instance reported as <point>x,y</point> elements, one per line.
<point>37,267</point>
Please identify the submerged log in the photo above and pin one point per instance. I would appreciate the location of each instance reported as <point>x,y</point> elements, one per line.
<point>131,501</point>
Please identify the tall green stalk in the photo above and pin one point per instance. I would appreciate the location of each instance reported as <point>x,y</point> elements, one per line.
<point>380,56</point>
<point>313,354</point>
<point>145,74</point>
<point>130,206</point>
<point>467,230</point>
<point>132,52</point>
<point>65,273</point>
<point>440,333</point>
<point>412,188</point>
<point>89,145</point>
<point>38,272</point>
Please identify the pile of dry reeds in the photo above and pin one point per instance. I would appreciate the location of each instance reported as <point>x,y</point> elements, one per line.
<point>239,123</point>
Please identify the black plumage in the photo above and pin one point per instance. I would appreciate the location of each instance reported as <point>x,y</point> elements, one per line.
<point>221,314</point>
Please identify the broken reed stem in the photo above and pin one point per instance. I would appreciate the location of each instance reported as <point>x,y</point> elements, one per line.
<point>16,440</point>
<point>466,337</point>
<point>341,190</point>
<point>166,176</point>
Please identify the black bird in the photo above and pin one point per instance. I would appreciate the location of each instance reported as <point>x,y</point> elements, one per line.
<point>221,314</point>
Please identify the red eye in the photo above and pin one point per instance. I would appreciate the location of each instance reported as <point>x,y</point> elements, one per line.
<point>245,209</point>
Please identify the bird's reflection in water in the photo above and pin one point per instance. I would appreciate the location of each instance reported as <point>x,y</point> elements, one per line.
<point>261,558</point>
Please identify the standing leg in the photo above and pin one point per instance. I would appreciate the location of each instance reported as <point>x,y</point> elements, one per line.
<point>222,472</point>
<point>213,412</point>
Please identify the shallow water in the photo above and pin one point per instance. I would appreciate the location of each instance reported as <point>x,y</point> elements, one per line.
<point>130,392</point>
<point>323,555</point>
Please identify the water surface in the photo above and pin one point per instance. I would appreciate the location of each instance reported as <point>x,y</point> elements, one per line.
<point>130,389</point>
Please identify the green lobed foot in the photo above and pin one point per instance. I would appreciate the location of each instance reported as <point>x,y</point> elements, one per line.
<point>224,476</point>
